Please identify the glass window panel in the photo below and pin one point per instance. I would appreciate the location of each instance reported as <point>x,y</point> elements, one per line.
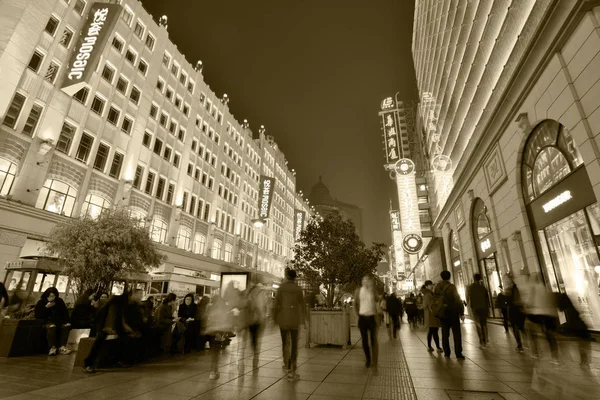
<point>575,259</point>
<point>544,135</point>
<point>61,283</point>
<point>48,281</point>
<point>568,146</point>
<point>14,280</point>
<point>549,168</point>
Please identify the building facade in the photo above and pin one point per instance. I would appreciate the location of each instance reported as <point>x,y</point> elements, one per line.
<point>322,203</point>
<point>410,220</point>
<point>510,98</point>
<point>142,130</point>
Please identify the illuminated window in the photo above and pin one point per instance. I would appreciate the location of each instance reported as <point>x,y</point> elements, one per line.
<point>184,235</point>
<point>57,197</point>
<point>228,252</point>
<point>199,243</point>
<point>216,249</point>
<point>158,230</point>
<point>94,205</point>
<point>8,171</point>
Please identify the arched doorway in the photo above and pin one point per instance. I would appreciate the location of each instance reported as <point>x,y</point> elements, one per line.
<point>485,244</point>
<point>457,271</point>
<point>564,217</point>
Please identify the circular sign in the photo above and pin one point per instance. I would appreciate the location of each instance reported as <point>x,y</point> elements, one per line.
<point>441,163</point>
<point>404,166</point>
<point>387,103</point>
<point>412,243</point>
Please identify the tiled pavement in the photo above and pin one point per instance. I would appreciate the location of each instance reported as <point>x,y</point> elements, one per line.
<point>406,371</point>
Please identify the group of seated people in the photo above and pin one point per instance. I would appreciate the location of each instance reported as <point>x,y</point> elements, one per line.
<point>139,328</point>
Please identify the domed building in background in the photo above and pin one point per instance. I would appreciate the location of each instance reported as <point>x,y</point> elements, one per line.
<point>324,203</point>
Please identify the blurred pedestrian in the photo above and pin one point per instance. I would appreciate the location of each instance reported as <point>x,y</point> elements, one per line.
<point>541,308</point>
<point>502,304</point>
<point>576,327</point>
<point>451,311</point>
<point>410,306</point>
<point>219,321</point>
<point>394,309</point>
<point>516,311</point>
<point>386,316</point>
<point>187,313</point>
<point>289,315</point>
<point>84,312</point>
<point>420,309</point>
<point>133,327</point>
<point>366,308</point>
<point>52,310</point>
<point>479,301</point>
<point>431,321</point>
<point>202,317</point>
<point>109,325</point>
<point>256,314</point>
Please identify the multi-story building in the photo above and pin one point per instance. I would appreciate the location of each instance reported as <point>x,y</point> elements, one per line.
<point>139,127</point>
<point>322,203</point>
<point>510,104</point>
<point>410,222</point>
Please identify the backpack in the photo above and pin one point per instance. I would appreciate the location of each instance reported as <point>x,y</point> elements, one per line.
<point>439,306</point>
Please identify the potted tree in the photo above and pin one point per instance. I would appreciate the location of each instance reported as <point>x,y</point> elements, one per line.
<point>331,259</point>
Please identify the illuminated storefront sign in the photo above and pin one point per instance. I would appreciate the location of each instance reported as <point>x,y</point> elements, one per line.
<point>407,195</point>
<point>265,196</point>
<point>486,246</point>
<point>395,220</point>
<point>90,44</point>
<point>387,103</point>
<point>299,218</point>
<point>390,137</point>
<point>412,243</point>
<point>557,201</point>
<point>398,252</point>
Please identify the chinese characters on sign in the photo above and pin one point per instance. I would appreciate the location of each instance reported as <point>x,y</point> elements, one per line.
<point>299,218</point>
<point>265,196</point>
<point>395,219</point>
<point>100,22</point>
<point>390,137</point>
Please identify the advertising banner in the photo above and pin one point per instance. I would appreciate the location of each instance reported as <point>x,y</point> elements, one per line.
<point>299,222</point>
<point>93,36</point>
<point>395,220</point>
<point>390,137</point>
<point>265,196</point>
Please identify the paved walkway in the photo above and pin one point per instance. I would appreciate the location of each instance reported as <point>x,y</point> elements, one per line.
<point>406,371</point>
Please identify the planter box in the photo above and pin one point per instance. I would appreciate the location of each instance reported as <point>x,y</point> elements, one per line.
<point>329,327</point>
<point>22,338</point>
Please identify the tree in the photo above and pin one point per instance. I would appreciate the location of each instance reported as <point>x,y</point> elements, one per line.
<point>330,256</point>
<point>97,251</point>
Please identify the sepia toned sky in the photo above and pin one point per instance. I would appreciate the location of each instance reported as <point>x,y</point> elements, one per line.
<point>314,73</point>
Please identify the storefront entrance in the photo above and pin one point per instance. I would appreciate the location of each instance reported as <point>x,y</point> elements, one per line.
<point>565,218</point>
<point>486,252</point>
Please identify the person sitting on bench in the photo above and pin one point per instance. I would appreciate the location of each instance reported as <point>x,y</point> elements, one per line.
<point>53,311</point>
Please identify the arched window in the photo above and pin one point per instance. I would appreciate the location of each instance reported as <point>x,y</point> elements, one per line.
<point>139,214</point>
<point>228,252</point>
<point>199,243</point>
<point>184,235</point>
<point>216,249</point>
<point>481,223</point>
<point>8,170</point>
<point>57,197</point>
<point>94,205</point>
<point>550,155</point>
<point>158,230</point>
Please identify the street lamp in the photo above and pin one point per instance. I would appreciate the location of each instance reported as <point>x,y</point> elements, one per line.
<point>258,223</point>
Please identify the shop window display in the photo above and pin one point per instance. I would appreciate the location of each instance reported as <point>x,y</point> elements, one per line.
<point>568,243</point>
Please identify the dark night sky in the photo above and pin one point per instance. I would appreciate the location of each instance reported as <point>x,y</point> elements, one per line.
<point>314,73</point>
